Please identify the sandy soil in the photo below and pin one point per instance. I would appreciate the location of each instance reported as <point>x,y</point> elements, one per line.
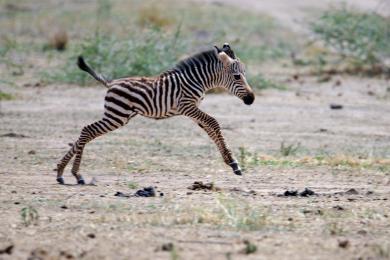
<point>90,222</point>
<point>171,154</point>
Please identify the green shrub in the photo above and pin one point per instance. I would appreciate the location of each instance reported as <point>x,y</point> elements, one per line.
<point>365,37</point>
<point>141,55</point>
<point>258,82</point>
<point>5,96</point>
<point>29,215</point>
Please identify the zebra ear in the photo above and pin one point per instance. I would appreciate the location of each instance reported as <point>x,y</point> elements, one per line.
<point>226,60</point>
<point>218,49</point>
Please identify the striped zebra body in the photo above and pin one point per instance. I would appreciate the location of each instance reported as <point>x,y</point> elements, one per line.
<point>175,92</point>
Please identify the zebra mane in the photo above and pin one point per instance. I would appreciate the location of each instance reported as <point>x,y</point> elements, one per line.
<point>207,55</point>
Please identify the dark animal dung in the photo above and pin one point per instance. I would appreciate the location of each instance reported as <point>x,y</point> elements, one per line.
<point>199,185</point>
<point>121,194</point>
<point>288,193</point>
<point>336,106</point>
<point>294,193</point>
<point>146,192</point>
<point>307,192</point>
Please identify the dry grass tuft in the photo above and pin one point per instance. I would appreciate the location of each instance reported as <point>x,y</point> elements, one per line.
<point>150,15</point>
<point>59,40</point>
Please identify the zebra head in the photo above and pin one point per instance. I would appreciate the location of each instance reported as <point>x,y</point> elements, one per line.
<point>234,75</point>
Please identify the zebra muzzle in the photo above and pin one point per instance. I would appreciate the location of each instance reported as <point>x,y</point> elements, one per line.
<point>248,99</point>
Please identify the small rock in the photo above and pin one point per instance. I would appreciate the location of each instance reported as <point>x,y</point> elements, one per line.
<point>338,207</point>
<point>7,250</point>
<point>121,194</point>
<point>362,232</point>
<point>337,82</point>
<point>91,235</point>
<point>344,243</point>
<point>63,207</point>
<point>167,247</point>
<point>336,106</point>
<point>14,135</point>
<point>66,255</point>
<point>38,254</point>
<point>324,78</point>
<point>32,152</point>
<point>352,192</point>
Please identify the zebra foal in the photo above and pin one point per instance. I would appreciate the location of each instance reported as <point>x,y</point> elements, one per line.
<point>177,91</point>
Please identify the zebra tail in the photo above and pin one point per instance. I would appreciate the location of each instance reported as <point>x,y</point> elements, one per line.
<point>84,66</point>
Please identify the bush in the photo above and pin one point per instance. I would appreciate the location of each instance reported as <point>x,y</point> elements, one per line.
<point>141,55</point>
<point>361,36</point>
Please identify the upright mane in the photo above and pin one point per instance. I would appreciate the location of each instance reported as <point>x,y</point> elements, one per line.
<point>201,56</point>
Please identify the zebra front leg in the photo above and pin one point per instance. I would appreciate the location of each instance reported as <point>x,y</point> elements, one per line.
<point>212,128</point>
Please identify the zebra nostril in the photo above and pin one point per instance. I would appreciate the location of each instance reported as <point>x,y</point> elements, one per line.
<point>248,99</point>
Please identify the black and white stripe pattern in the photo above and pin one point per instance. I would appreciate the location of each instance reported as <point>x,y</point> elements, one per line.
<point>177,91</point>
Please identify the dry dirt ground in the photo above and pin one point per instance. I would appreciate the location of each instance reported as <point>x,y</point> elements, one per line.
<point>90,222</point>
<point>347,218</point>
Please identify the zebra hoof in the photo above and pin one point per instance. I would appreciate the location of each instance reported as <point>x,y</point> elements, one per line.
<point>81,181</point>
<point>238,172</point>
<point>60,180</point>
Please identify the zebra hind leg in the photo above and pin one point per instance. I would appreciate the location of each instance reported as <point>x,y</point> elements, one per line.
<point>88,133</point>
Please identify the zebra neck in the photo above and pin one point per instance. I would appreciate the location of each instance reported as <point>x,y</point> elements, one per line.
<point>210,76</point>
<point>195,79</point>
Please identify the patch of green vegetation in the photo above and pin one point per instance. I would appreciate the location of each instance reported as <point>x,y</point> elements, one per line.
<point>362,37</point>
<point>250,248</point>
<point>5,96</point>
<point>153,38</point>
<point>174,255</point>
<point>248,160</point>
<point>335,228</point>
<point>289,149</point>
<point>132,185</point>
<point>29,215</point>
<point>147,55</point>
<point>294,155</point>
<point>241,216</point>
<point>259,82</point>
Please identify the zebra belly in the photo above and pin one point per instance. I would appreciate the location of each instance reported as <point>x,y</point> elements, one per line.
<point>163,116</point>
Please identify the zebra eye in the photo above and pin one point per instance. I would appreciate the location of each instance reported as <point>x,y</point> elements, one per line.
<point>237,76</point>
